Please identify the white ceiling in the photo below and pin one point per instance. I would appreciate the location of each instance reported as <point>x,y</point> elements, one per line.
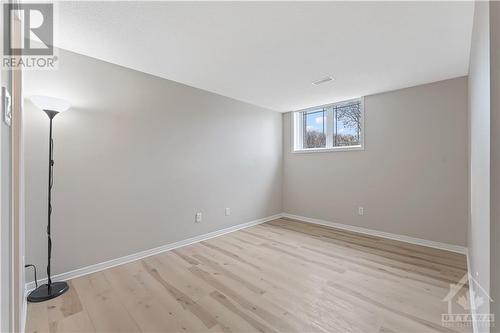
<point>268,53</point>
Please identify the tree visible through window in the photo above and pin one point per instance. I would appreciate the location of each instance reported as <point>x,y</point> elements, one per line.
<point>314,129</point>
<point>333,126</point>
<point>347,129</point>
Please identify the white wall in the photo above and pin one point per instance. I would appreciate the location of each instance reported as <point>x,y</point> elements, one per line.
<point>411,178</point>
<point>479,151</point>
<point>495,161</point>
<point>136,157</point>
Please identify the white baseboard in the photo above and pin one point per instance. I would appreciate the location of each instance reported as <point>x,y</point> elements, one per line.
<point>143,254</point>
<point>371,232</point>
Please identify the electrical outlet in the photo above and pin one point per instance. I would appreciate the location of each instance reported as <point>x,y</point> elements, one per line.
<point>361,211</point>
<point>228,211</point>
<point>198,218</point>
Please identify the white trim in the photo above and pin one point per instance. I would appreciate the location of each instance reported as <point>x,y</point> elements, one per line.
<point>362,120</point>
<point>471,298</point>
<point>147,253</point>
<point>297,125</point>
<point>328,119</point>
<point>326,150</point>
<point>371,232</point>
<point>24,314</point>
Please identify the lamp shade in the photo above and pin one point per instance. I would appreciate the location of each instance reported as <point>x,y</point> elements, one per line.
<point>48,103</point>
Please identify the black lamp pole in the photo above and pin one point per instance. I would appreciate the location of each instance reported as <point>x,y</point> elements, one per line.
<point>51,289</point>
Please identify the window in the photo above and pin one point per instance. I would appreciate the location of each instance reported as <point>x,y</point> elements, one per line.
<point>314,129</point>
<point>337,126</point>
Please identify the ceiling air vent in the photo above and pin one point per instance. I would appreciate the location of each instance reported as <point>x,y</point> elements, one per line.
<point>323,80</point>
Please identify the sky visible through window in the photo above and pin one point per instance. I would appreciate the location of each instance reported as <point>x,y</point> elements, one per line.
<point>315,122</point>
<point>347,125</point>
<point>315,126</point>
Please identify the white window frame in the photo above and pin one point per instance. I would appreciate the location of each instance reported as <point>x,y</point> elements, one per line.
<point>298,125</point>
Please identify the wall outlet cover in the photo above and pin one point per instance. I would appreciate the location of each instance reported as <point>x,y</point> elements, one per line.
<point>198,218</point>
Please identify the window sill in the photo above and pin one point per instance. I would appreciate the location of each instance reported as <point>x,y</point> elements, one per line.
<point>327,150</point>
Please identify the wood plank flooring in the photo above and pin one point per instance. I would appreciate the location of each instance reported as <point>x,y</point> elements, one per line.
<point>281,276</point>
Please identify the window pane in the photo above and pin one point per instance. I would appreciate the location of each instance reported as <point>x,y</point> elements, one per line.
<point>314,129</point>
<point>347,126</point>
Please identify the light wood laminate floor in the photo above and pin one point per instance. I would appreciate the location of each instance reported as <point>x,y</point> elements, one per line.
<point>281,276</point>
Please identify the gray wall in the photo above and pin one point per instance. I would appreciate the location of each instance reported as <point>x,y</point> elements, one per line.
<point>136,157</point>
<point>479,150</point>
<point>5,210</point>
<point>5,217</point>
<point>411,178</point>
<point>495,161</point>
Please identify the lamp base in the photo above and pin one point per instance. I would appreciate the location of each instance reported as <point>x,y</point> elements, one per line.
<point>46,292</point>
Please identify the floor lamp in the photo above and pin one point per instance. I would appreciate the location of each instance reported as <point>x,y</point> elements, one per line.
<point>51,106</point>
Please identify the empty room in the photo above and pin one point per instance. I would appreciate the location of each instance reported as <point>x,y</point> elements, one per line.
<point>274,167</point>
